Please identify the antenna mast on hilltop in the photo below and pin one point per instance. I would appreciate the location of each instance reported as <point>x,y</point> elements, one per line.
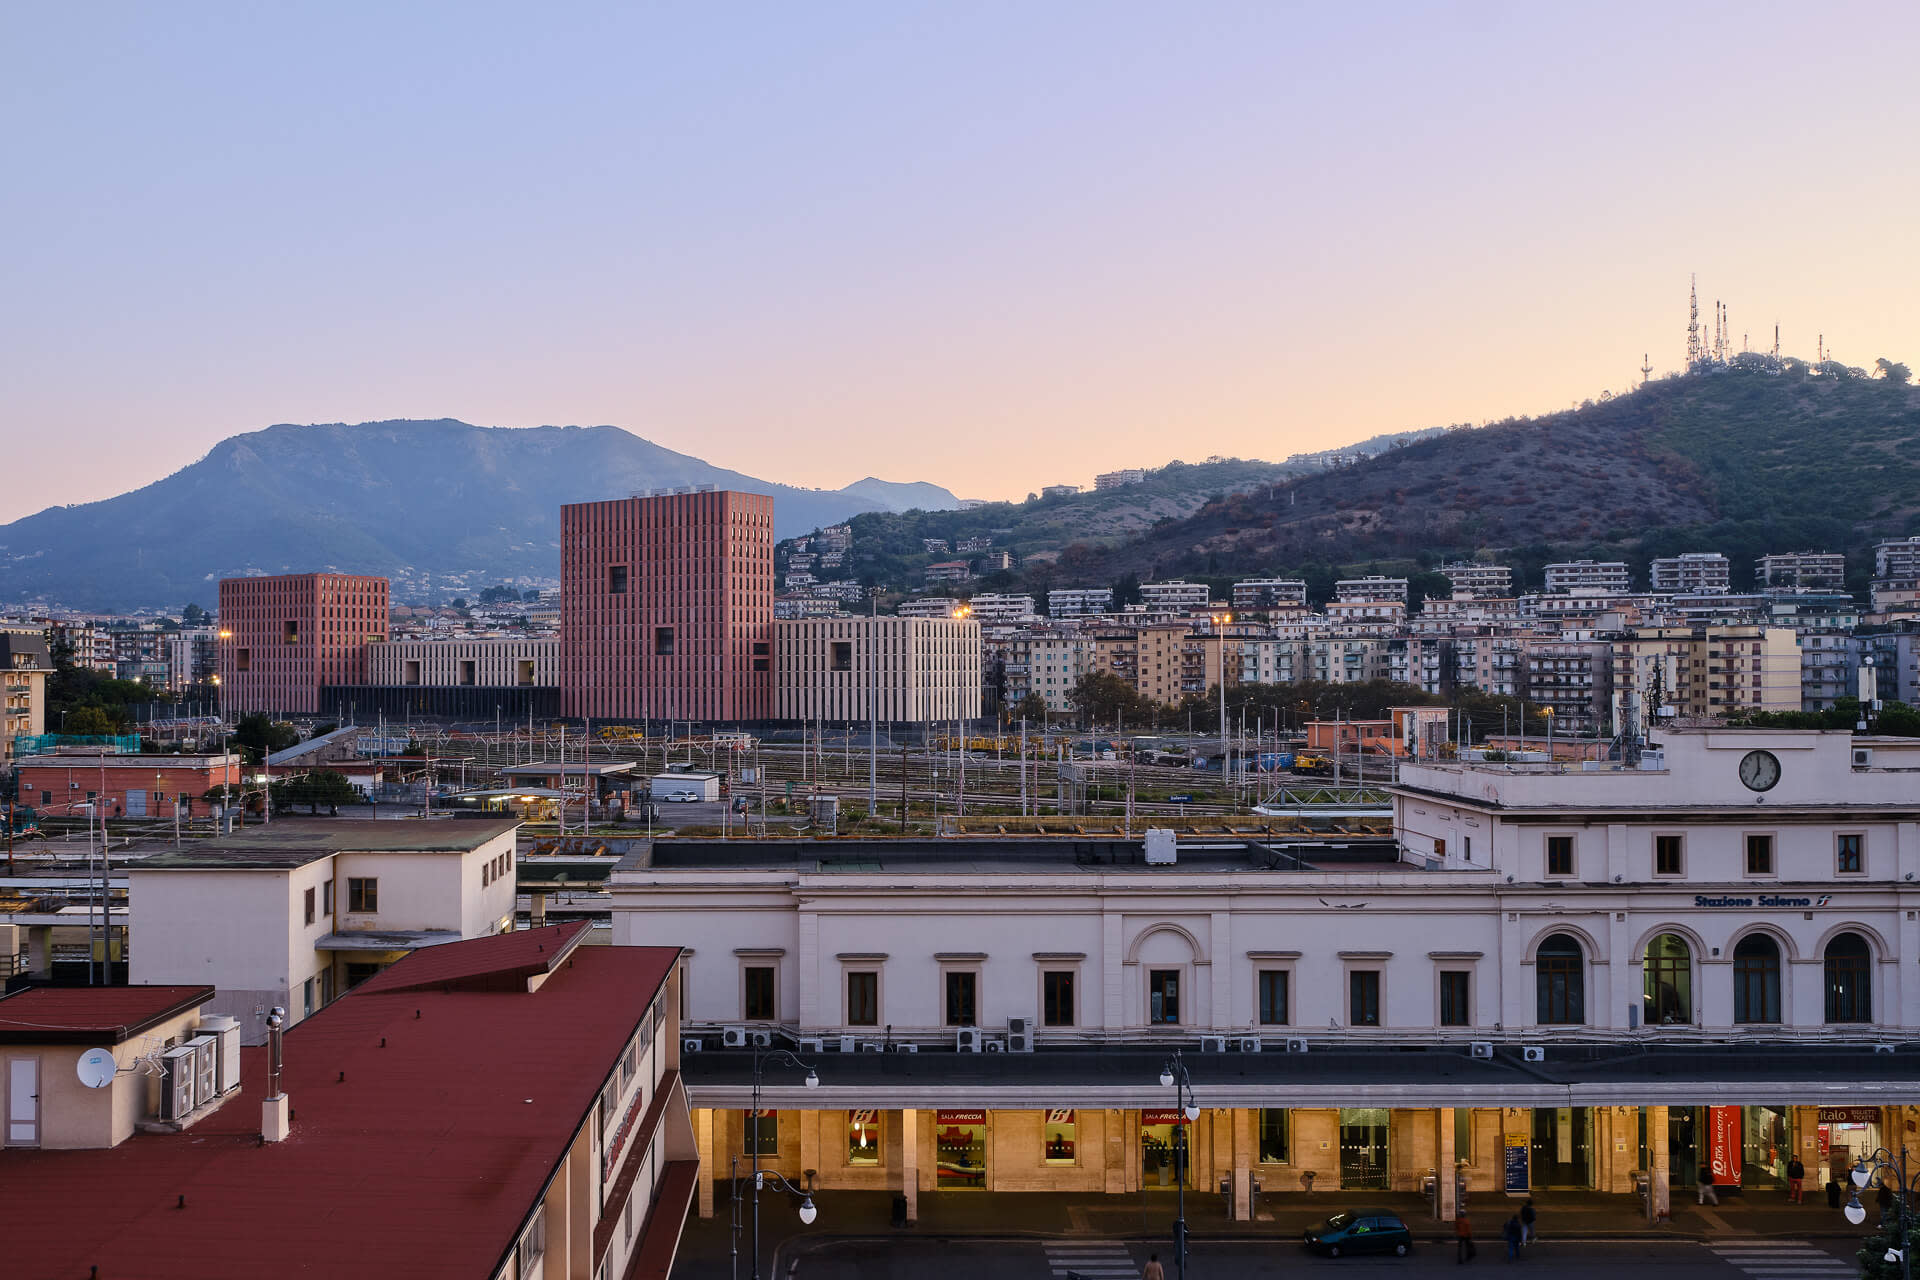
<point>1693,324</point>
<point>1822,348</point>
<point>1776,339</point>
<point>1646,369</point>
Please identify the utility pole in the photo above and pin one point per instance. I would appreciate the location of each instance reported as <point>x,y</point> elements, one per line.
<point>873,719</point>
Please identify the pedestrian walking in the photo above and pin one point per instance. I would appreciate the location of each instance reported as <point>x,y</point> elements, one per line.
<point>1527,1217</point>
<point>1511,1233</point>
<point>1463,1250</point>
<point>1707,1194</point>
<point>1796,1181</point>
<point>1154,1271</point>
<point>1833,1193</point>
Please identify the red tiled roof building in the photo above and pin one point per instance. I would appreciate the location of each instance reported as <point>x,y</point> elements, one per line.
<point>666,607</point>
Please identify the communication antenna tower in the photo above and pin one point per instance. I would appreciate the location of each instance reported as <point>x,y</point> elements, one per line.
<point>1693,324</point>
<point>1776,339</point>
<point>1646,369</point>
<point>1822,348</point>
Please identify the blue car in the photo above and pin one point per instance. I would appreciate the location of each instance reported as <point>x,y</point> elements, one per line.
<point>1374,1231</point>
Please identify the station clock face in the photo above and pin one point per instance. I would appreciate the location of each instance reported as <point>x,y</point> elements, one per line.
<point>1759,770</point>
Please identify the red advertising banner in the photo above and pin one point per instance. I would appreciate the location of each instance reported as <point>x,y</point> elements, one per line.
<point>1175,1116</point>
<point>1724,1145</point>
<point>961,1117</point>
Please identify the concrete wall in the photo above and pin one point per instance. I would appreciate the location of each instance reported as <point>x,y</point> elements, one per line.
<point>72,1116</point>
<point>233,930</point>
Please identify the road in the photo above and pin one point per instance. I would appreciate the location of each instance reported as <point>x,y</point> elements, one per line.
<point>1735,1258</point>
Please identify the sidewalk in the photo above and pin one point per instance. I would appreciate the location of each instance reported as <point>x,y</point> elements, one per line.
<point>1586,1215</point>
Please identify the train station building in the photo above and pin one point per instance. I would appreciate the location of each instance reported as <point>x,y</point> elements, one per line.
<point>1550,976</point>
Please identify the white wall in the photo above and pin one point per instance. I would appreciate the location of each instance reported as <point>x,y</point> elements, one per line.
<point>230,929</point>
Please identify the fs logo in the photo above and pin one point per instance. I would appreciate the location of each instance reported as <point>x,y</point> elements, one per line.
<point>1823,900</point>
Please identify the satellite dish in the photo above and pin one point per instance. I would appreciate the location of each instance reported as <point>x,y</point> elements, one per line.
<point>96,1068</point>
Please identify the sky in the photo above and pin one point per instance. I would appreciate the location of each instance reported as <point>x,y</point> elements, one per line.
<point>990,245</point>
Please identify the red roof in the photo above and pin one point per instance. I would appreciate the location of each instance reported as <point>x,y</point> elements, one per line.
<point>91,1015</point>
<point>427,1122</point>
<point>509,960</point>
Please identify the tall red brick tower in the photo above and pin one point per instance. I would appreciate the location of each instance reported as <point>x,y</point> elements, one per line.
<point>283,637</point>
<point>666,607</point>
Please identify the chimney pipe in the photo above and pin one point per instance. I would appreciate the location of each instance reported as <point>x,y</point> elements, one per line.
<point>275,1118</point>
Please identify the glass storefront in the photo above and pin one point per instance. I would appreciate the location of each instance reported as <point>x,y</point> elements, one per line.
<point>1163,1144</point>
<point>1363,1148</point>
<point>1273,1136</point>
<point>960,1149</point>
<point>1846,1134</point>
<point>1561,1154</point>
<point>863,1137</point>
<point>1057,1138</point>
<point>1766,1144</point>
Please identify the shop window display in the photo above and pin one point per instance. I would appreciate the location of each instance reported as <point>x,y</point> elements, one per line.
<point>863,1137</point>
<point>1058,1137</point>
<point>960,1149</point>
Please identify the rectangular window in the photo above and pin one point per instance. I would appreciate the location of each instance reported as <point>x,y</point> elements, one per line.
<point>1669,855</point>
<point>326,897</point>
<point>306,1007</point>
<point>1273,997</point>
<point>962,990</point>
<point>1454,995</point>
<point>863,999</point>
<point>1163,996</point>
<point>1363,998</point>
<point>363,893</point>
<point>663,642</point>
<point>290,632</point>
<point>309,905</point>
<point>762,1130</point>
<point>1058,1138</point>
<point>616,580</point>
<point>1559,855</point>
<point>863,1137</point>
<point>1273,1135</point>
<point>1463,1133</point>
<point>243,659</point>
<point>1056,998</point>
<point>757,998</point>
<point>1849,853</point>
<point>843,655</point>
<point>1759,855</point>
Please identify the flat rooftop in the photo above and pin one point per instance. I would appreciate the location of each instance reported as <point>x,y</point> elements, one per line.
<point>1040,854</point>
<point>286,843</point>
<point>431,1106</point>
<point>92,1015</point>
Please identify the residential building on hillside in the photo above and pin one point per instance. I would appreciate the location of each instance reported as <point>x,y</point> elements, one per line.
<point>667,607</point>
<point>930,607</point>
<point>25,667</point>
<point>1574,679</point>
<point>1174,597</point>
<point>805,607</point>
<point>1255,594</point>
<point>1607,576</point>
<point>1896,660</point>
<point>1049,664</point>
<point>1897,558</point>
<point>922,669</point>
<point>1635,942</point>
<point>991,607</point>
<point>1702,673</point>
<point>1372,587</point>
<point>294,913</point>
<point>559,1164</point>
<point>1697,571</point>
<point>1118,479</point>
<point>283,638</point>
<point>1079,602</point>
<point>948,571</point>
<point>1802,571</point>
<point>1894,599</point>
<point>973,545</point>
<point>1059,490</point>
<point>90,643</point>
<point>1471,578</point>
<point>935,546</point>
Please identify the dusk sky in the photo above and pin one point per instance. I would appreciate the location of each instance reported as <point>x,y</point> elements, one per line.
<point>994,246</point>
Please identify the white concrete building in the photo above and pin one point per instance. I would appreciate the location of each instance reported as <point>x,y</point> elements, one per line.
<point>1897,558</point>
<point>1802,571</point>
<point>1604,576</point>
<point>1372,587</point>
<point>490,662</point>
<point>923,669</point>
<point>992,607</point>
<point>1079,602</point>
<point>1471,578</point>
<point>1174,597</point>
<point>1119,479</point>
<point>929,607</point>
<point>1705,572</point>
<point>1269,593</point>
<point>295,912</point>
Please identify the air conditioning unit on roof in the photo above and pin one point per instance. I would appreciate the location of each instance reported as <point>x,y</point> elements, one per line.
<point>813,1044</point>
<point>692,1044</point>
<point>1296,1045</point>
<point>733,1037</point>
<point>762,1039</point>
<point>849,1044</point>
<point>1249,1044</point>
<point>1533,1052</point>
<point>1482,1049</point>
<point>967,1040</point>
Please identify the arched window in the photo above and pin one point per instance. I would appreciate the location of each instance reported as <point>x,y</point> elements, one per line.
<point>1669,981</point>
<point>1849,979</point>
<point>1558,970</point>
<point>1756,979</point>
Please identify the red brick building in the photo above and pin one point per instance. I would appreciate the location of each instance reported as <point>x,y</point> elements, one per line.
<point>133,786</point>
<point>283,637</point>
<point>666,607</point>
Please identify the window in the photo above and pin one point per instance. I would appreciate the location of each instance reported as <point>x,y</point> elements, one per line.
<point>309,904</point>
<point>1667,973</point>
<point>243,659</point>
<point>306,1003</point>
<point>1463,1133</point>
<point>756,1000</point>
<point>762,1133</point>
<point>663,641</point>
<point>963,986</point>
<point>1669,855</point>
<point>363,893</point>
<point>616,580</point>
<point>1056,998</point>
<point>1559,855</point>
<point>1057,1137</point>
<point>1849,853</point>
<point>843,655</point>
<point>1849,979</point>
<point>1455,985</point>
<point>1756,979</point>
<point>533,1241</point>
<point>1560,983</point>
<point>863,1137</point>
<point>1759,855</point>
<point>290,632</point>
<point>326,897</point>
<point>1163,996</point>
<point>1363,998</point>
<point>863,999</point>
<point>1273,997</point>
<point>1273,1135</point>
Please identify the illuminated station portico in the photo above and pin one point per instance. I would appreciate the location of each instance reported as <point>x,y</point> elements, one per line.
<point>1549,977</point>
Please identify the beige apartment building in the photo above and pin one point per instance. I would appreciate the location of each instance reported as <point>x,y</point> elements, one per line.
<point>921,669</point>
<point>1706,672</point>
<point>493,662</point>
<point>24,668</point>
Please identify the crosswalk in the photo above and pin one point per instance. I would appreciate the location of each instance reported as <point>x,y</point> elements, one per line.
<point>1094,1259</point>
<point>1784,1260</point>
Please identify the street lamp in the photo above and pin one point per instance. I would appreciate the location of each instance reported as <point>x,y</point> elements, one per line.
<point>1174,1076</point>
<point>761,1057</point>
<point>1862,1173</point>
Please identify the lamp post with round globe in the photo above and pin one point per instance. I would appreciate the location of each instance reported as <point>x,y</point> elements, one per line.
<point>1174,1076</point>
<point>1890,1168</point>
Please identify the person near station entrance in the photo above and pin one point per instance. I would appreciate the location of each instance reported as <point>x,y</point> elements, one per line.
<point>1511,1234</point>
<point>1527,1216</point>
<point>1153,1271</point>
<point>1707,1194</point>
<point>1463,1250</point>
<point>1796,1181</point>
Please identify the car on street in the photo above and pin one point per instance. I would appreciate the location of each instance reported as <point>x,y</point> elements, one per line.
<point>1370,1231</point>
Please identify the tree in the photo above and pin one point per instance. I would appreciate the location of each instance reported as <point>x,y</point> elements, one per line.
<point>194,616</point>
<point>1032,708</point>
<point>1101,697</point>
<point>1892,371</point>
<point>322,786</point>
<point>87,720</point>
<point>460,602</point>
<point>1126,590</point>
<point>1430,585</point>
<point>263,735</point>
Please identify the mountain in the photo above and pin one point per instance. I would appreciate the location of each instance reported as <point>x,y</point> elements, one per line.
<point>439,507</point>
<point>1761,456</point>
<point>894,496</point>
